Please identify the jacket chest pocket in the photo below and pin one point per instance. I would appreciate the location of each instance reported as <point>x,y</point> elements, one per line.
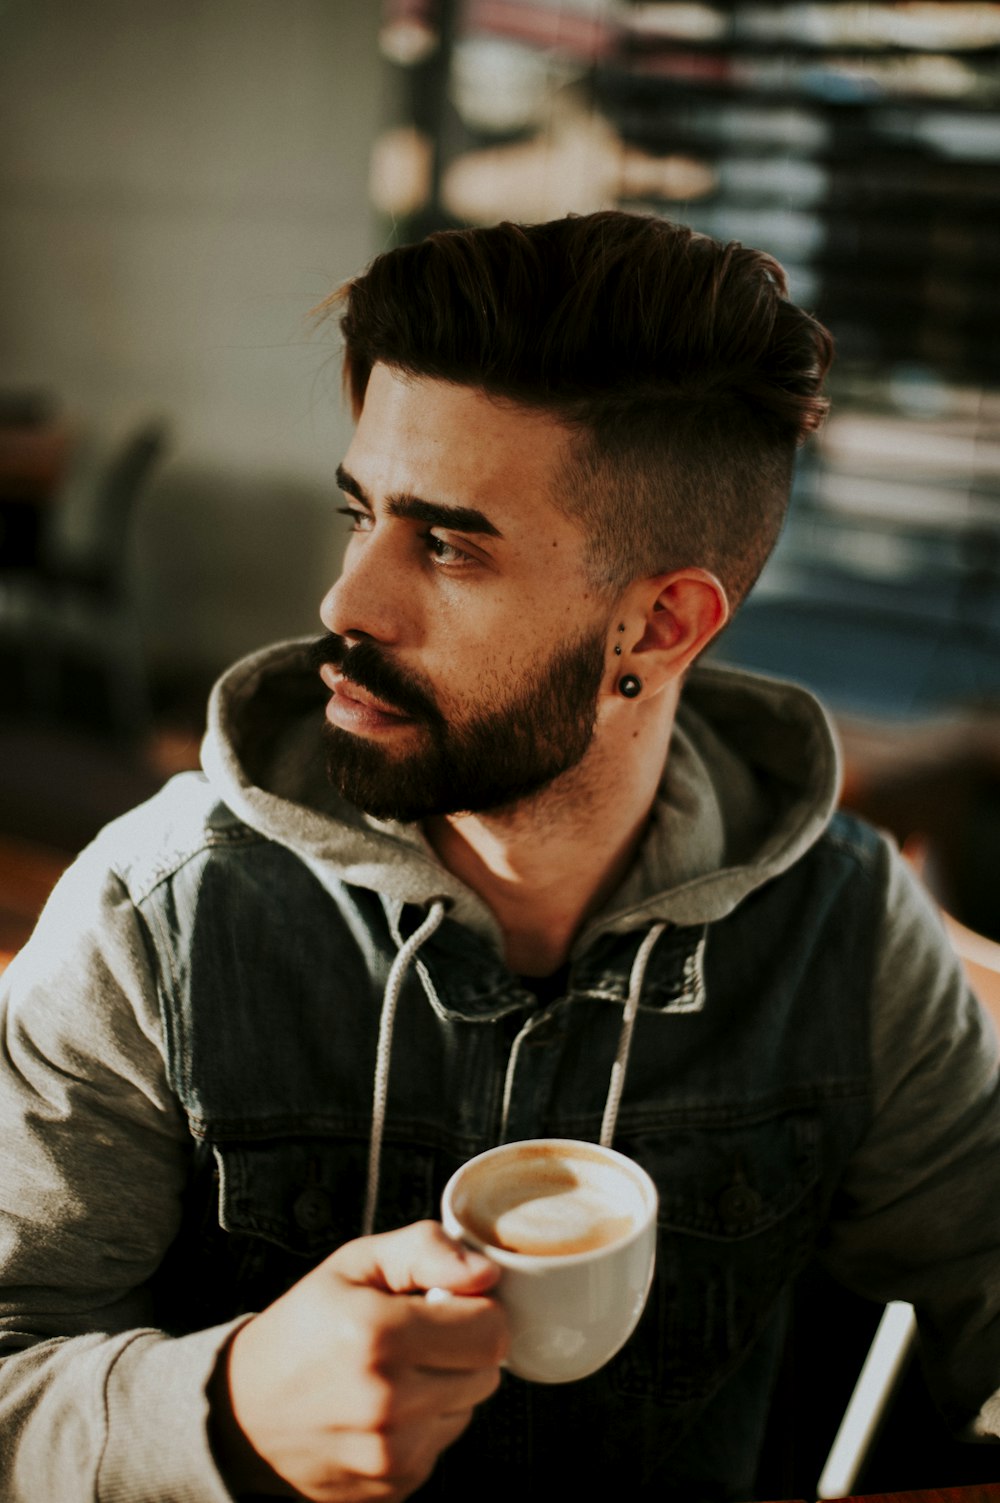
<point>739,1213</point>
<point>261,1214</point>
<point>307,1195</point>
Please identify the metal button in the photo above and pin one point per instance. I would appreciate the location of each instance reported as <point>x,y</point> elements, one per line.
<point>739,1204</point>
<point>313,1209</point>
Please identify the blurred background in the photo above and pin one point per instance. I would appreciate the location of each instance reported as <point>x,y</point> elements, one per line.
<point>182,181</point>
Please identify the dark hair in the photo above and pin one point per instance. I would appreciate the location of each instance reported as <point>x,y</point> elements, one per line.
<point>680,361</point>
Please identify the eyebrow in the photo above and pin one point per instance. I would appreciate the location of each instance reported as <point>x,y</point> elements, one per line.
<point>414,509</point>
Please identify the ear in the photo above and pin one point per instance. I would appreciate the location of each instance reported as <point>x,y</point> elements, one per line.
<point>681,613</point>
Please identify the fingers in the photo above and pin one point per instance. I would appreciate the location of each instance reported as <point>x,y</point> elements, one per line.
<point>392,1334</point>
<point>352,1374</point>
<point>414,1258</point>
<point>396,1434</point>
<point>401,1364</point>
<point>439,1391</point>
<point>460,1335</point>
<point>464,1333</point>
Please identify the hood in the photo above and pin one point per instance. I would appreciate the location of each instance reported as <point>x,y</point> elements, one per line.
<point>750,782</point>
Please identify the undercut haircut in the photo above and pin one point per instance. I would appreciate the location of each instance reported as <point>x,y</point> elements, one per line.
<point>686,374</point>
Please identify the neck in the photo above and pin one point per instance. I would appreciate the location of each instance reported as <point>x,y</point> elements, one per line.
<point>545,865</point>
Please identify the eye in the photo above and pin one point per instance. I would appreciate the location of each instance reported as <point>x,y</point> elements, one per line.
<point>443,552</point>
<point>359,518</point>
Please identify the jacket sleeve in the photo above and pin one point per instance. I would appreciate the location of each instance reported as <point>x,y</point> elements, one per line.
<point>94,1403</point>
<point>918,1214</point>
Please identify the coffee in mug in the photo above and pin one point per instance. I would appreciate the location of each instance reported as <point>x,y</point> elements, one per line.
<point>572,1226</point>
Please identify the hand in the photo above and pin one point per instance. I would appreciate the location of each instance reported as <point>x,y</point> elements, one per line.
<point>346,1389</point>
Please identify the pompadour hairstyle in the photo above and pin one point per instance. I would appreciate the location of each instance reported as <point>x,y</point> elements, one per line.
<point>688,376</point>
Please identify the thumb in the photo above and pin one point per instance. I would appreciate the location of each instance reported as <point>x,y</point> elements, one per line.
<point>417,1257</point>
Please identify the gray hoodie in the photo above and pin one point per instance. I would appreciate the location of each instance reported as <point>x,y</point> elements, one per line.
<point>96,1404</point>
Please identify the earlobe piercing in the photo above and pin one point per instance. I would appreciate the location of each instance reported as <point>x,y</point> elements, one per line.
<point>629,685</point>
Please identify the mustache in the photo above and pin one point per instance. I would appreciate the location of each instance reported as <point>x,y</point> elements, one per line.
<point>366,665</point>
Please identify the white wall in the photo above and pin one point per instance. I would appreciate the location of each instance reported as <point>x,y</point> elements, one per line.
<point>180,182</point>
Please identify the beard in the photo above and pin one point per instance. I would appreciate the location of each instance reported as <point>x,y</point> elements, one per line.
<point>509,750</point>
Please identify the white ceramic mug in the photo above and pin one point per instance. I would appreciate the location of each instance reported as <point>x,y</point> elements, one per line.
<point>572,1226</point>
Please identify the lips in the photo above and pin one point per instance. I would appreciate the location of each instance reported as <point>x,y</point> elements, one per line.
<point>354,708</point>
<point>366,682</point>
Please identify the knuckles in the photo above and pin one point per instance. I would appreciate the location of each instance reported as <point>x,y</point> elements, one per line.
<point>382,1458</point>
<point>370,1327</point>
<point>377,1404</point>
<point>392,1458</point>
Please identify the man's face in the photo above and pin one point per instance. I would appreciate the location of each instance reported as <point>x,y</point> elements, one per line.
<point>467,647</point>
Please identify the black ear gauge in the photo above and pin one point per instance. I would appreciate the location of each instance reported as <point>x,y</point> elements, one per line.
<point>630,686</point>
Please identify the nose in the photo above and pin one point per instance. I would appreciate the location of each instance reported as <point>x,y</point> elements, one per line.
<point>363,602</point>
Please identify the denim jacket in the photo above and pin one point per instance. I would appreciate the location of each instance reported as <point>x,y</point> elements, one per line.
<point>788,1058</point>
<point>743,1099</point>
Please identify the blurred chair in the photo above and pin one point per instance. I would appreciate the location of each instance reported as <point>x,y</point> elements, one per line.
<point>77,603</point>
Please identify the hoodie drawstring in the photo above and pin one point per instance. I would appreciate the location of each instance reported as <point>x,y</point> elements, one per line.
<point>508,1084</point>
<point>390,998</point>
<point>636,978</point>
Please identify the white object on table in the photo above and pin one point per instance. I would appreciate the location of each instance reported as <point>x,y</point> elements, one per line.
<point>876,1384</point>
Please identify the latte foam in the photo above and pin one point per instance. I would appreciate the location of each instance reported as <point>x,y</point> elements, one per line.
<point>547,1202</point>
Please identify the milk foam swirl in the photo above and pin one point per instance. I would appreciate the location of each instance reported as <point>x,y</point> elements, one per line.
<point>550,1203</point>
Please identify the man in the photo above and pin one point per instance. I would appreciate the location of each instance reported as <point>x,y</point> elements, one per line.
<point>265,1016</point>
